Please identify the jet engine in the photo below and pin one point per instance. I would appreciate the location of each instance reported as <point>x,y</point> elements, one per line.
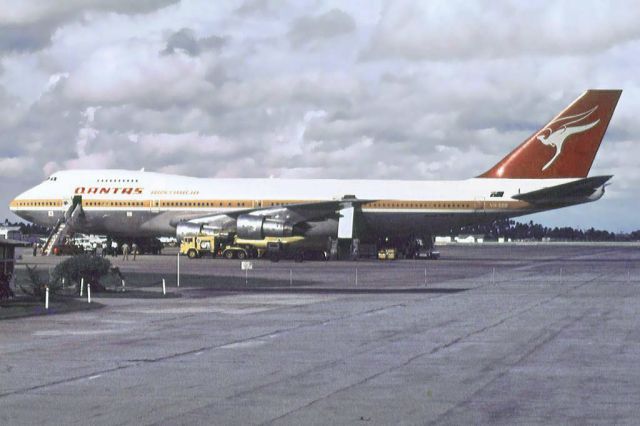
<point>259,227</point>
<point>188,229</point>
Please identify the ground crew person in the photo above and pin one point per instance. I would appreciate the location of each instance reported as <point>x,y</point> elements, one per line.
<point>134,250</point>
<point>125,251</point>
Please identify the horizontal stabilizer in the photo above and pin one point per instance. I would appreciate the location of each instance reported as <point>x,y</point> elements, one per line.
<point>567,192</point>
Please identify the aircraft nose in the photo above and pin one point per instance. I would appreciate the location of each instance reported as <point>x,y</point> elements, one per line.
<point>17,205</point>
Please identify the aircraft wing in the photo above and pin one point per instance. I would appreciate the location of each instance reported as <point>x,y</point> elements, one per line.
<point>295,213</point>
<point>579,189</point>
<point>306,211</point>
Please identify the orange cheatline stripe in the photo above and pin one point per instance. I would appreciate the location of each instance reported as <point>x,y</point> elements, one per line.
<point>219,203</point>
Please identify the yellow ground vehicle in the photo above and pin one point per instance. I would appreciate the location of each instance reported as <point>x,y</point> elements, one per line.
<point>276,248</point>
<point>387,254</point>
<point>212,245</point>
<point>198,246</point>
<point>230,246</point>
<point>261,246</point>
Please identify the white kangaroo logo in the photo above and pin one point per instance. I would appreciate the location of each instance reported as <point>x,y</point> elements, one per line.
<point>557,138</point>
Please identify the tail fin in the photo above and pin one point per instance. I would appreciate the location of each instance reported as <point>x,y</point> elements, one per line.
<point>566,146</point>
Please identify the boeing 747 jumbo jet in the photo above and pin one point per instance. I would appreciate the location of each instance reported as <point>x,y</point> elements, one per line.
<point>547,171</point>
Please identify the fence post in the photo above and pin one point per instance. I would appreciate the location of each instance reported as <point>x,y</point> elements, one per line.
<point>178,269</point>
<point>164,288</point>
<point>123,286</point>
<point>81,285</point>
<point>88,292</point>
<point>46,297</point>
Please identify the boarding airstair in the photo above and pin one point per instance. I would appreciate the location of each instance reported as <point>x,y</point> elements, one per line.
<point>55,237</point>
<point>64,226</point>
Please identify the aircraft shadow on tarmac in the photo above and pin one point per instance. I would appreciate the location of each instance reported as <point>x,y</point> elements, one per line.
<point>327,290</point>
<point>262,285</point>
<point>202,286</point>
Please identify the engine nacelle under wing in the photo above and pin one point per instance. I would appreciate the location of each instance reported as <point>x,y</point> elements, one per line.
<point>188,229</point>
<point>259,227</point>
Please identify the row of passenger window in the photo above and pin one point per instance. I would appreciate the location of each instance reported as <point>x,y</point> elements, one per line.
<point>113,203</point>
<point>205,204</point>
<point>38,203</point>
<point>382,204</point>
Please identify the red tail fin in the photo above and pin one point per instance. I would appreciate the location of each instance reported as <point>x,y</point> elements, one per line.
<point>564,147</point>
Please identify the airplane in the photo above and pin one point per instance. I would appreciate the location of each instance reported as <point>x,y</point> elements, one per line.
<point>547,171</point>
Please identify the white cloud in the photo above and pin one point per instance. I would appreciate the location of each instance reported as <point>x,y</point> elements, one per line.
<point>28,25</point>
<point>458,29</point>
<point>32,11</point>
<point>135,72</point>
<point>326,26</point>
<point>12,166</point>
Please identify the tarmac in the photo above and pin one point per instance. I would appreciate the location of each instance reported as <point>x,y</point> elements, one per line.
<point>498,334</point>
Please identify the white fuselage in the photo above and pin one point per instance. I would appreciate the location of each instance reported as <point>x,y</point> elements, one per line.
<point>138,203</point>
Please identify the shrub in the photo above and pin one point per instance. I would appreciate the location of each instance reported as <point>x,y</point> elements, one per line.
<point>37,285</point>
<point>91,268</point>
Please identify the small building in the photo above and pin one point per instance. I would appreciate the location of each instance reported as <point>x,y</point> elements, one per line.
<point>470,239</point>
<point>442,239</point>
<point>8,255</point>
<point>10,233</point>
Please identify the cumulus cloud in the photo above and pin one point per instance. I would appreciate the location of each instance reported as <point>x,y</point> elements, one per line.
<point>260,7</point>
<point>133,71</point>
<point>458,29</point>
<point>11,166</point>
<point>186,41</point>
<point>328,25</point>
<point>30,11</point>
<point>28,25</point>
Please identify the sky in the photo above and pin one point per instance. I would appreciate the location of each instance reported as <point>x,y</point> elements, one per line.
<point>312,89</point>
